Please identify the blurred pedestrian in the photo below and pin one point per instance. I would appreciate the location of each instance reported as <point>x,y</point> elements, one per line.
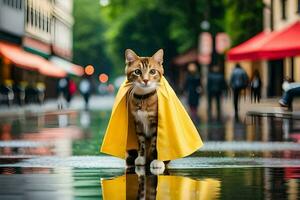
<point>238,81</point>
<point>19,89</point>
<point>6,93</point>
<point>193,89</point>
<point>40,88</point>
<point>72,88</point>
<point>30,93</point>
<point>255,87</point>
<point>216,85</point>
<point>62,89</point>
<point>85,88</point>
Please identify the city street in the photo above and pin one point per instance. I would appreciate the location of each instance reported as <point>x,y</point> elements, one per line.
<point>149,100</point>
<point>56,152</point>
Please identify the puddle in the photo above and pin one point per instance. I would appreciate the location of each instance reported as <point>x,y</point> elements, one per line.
<point>56,156</point>
<point>82,183</point>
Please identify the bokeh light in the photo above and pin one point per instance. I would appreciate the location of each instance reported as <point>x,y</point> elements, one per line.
<point>104,2</point>
<point>89,70</point>
<point>110,88</point>
<point>103,78</point>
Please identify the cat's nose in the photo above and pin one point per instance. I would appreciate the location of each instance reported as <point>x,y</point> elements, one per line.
<point>145,81</point>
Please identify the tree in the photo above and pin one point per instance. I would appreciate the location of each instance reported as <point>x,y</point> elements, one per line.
<point>88,36</point>
<point>243,19</point>
<point>101,34</point>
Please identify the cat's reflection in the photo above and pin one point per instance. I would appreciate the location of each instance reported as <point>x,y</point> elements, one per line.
<point>150,187</point>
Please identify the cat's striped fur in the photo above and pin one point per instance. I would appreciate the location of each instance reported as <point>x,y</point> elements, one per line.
<point>144,74</point>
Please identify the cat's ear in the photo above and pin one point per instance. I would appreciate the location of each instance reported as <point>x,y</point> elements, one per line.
<point>159,56</point>
<point>130,56</point>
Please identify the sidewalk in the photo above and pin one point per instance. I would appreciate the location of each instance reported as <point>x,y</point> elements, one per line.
<point>268,106</point>
<point>97,102</point>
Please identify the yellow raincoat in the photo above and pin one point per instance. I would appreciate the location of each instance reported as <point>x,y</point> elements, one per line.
<point>168,187</point>
<point>176,134</point>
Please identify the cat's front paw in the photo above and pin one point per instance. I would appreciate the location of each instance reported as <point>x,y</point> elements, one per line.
<point>140,161</point>
<point>157,167</point>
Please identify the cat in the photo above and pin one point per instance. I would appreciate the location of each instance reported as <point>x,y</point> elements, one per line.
<point>144,74</point>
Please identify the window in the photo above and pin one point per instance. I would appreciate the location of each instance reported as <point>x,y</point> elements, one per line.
<point>20,6</point>
<point>43,22</point>
<point>283,9</point>
<point>298,7</point>
<point>27,14</point>
<point>39,19</point>
<point>31,16</point>
<point>35,17</point>
<point>272,15</point>
<point>17,4</point>
<point>48,25</point>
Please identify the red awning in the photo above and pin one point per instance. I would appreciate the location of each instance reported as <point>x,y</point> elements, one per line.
<point>248,49</point>
<point>29,61</point>
<point>285,43</point>
<point>269,45</point>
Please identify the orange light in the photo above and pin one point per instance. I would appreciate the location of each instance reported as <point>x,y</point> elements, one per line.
<point>103,78</point>
<point>89,70</point>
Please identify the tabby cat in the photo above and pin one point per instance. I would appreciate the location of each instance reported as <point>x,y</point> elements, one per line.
<point>144,74</point>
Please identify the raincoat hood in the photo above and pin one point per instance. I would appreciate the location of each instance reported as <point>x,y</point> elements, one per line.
<point>176,134</point>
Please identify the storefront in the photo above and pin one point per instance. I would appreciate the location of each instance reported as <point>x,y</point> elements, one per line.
<point>21,69</point>
<point>275,54</point>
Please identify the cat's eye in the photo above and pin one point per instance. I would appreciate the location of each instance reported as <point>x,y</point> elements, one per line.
<point>152,71</point>
<point>138,72</point>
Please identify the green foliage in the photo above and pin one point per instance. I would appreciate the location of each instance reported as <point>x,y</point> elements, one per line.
<point>89,42</point>
<point>93,135</point>
<point>101,34</point>
<point>243,19</point>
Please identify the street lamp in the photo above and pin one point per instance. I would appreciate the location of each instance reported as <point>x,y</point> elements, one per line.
<point>104,2</point>
<point>205,25</point>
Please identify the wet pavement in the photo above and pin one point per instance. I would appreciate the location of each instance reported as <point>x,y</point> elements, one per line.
<point>55,155</point>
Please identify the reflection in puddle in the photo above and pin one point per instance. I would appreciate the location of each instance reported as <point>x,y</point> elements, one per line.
<point>83,183</point>
<point>80,133</point>
<point>253,162</point>
<point>85,119</point>
<point>63,120</point>
<point>132,186</point>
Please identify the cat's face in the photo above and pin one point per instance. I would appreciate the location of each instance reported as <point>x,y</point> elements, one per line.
<point>144,72</point>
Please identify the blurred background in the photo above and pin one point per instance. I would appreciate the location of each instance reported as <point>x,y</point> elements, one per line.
<point>43,42</point>
<point>229,61</point>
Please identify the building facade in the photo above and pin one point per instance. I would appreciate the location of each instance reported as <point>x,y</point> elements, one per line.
<point>62,23</point>
<point>37,37</point>
<point>10,30</point>
<point>32,32</point>
<point>278,15</point>
<point>14,9</point>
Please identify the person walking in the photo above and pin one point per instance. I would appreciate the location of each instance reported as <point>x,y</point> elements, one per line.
<point>72,88</point>
<point>255,87</point>
<point>85,88</point>
<point>238,81</point>
<point>216,85</point>
<point>193,89</point>
<point>62,90</point>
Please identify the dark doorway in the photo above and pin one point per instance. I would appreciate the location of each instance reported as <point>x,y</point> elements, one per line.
<point>275,68</point>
